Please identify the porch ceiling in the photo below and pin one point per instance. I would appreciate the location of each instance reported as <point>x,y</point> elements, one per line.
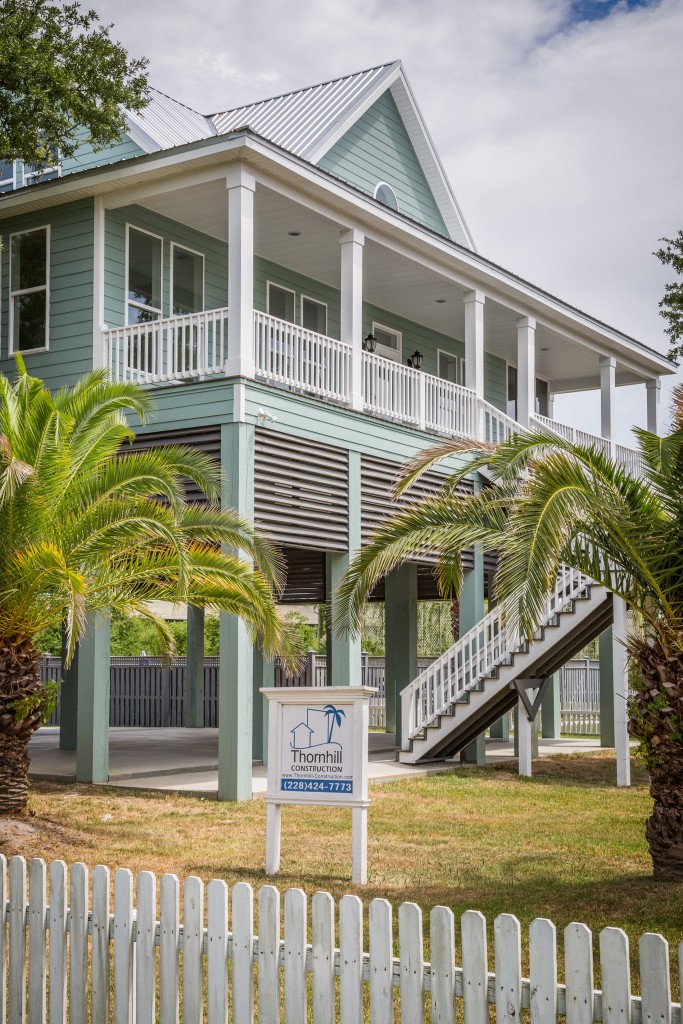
<point>391,281</point>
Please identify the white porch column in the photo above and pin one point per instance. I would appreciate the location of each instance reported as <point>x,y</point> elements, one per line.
<point>474,352</point>
<point>241,186</point>
<point>526,369</point>
<point>351,321</point>
<point>654,409</point>
<point>608,387</point>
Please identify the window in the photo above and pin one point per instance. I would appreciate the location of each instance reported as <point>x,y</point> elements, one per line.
<point>313,315</point>
<point>385,194</point>
<point>6,175</point>
<point>187,281</point>
<point>29,301</point>
<point>281,302</point>
<point>541,397</point>
<point>144,277</point>
<point>388,341</point>
<point>512,392</point>
<point>451,367</point>
<point>34,173</point>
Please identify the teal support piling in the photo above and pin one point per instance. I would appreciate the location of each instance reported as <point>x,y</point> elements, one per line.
<point>344,652</point>
<point>551,721</point>
<point>400,640</point>
<point>500,730</point>
<point>194,675</point>
<point>236,659</point>
<point>606,651</point>
<point>90,670</point>
<point>471,611</point>
<point>264,675</point>
<point>68,704</point>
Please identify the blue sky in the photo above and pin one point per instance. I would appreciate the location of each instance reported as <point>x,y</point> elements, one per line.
<point>558,121</point>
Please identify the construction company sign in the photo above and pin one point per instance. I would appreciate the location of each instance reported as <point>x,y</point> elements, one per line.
<point>318,754</point>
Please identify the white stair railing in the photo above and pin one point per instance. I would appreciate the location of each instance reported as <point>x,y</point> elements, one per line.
<point>287,354</point>
<point>175,348</point>
<point>475,656</point>
<point>630,459</point>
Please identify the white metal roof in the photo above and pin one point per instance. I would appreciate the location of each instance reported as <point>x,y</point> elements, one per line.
<point>165,123</point>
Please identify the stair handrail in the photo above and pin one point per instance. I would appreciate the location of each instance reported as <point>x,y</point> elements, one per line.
<point>475,655</point>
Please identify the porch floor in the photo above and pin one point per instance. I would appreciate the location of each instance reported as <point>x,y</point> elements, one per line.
<point>186,760</point>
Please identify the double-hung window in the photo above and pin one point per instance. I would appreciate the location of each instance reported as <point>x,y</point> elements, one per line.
<point>187,296</point>
<point>29,290</point>
<point>313,315</point>
<point>144,277</point>
<point>7,175</point>
<point>281,302</point>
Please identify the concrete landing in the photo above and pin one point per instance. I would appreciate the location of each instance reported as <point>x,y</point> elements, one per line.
<point>186,760</point>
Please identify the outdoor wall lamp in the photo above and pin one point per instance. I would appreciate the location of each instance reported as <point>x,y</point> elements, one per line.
<point>370,343</point>
<point>415,360</point>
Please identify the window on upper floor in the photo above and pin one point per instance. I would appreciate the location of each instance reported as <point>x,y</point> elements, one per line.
<point>7,175</point>
<point>385,194</point>
<point>451,367</point>
<point>281,302</point>
<point>542,394</point>
<point>388,341</point>
<point>313,315</point>
<point>29,291</point>
<point>14,173</point>
<point>187,277</point>
<point>143,258</point>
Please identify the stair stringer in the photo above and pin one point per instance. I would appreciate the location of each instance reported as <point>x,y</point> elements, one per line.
<point>492,697</point>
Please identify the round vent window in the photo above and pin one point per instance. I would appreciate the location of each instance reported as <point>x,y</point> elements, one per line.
<point>386,195</point>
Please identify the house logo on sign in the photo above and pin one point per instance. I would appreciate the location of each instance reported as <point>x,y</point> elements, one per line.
<point>318,729</point>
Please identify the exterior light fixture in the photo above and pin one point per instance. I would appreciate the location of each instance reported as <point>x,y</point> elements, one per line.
<point>370,343</point>
<point>415,360</point>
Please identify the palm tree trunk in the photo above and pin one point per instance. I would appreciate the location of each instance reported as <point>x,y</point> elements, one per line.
<point>656,719</point>
<point>21,713</point>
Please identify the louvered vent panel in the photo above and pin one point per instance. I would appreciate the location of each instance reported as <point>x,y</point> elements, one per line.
<point>305,577</point>
<point>301,492</point>
<point>378,478</point>
<point>205,439</point>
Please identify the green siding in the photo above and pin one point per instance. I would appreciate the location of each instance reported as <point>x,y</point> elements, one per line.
<point>85,156</point>
<point>495,381</point>
<point>377,148</point>
<point>215,260</point>
<point>71,293</point>
<point>264,271</point>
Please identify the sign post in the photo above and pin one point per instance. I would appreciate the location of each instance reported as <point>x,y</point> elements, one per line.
<point>318,754</point>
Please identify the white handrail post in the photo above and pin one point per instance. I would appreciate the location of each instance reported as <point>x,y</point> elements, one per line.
<point>351,321</point>
<point>474,353</point>
<point>241,186</point>
<point>421,400</point>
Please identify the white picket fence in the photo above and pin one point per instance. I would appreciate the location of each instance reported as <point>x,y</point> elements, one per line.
<point>127,965</point>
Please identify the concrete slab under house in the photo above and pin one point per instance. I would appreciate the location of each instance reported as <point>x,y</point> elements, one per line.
<point>296,283</point>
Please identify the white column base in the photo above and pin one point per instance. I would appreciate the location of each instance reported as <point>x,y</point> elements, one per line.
<point>359,861</point>
<point>273,832</point>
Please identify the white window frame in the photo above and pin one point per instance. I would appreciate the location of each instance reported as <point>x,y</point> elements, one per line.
<point>130,302</point>
<point>309,298</point>
<point>195,252</point>
<point>29,291</point>
<point>386,184</point>
<point>461,365</point>
<point>283,288</point>
<point>382,350</point>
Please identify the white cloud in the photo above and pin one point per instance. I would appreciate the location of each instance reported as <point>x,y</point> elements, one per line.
<point>562,140</point>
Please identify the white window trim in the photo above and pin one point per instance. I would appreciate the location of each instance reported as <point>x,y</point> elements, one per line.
<point>131,302</point>
<point>382,350</point>
<point>461,364</point>
<point>27,176</point>
<point>195,252</point>
<point>282,288</point>
<point>309,298</point>
<point>30,291</point>
<point>386,184</point>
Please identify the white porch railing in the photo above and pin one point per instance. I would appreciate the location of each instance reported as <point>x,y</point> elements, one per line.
<point>175,348</point>
<point>393,390</point>
<point>288,354</point>
<point>474,657</point>
<point>628,457</point>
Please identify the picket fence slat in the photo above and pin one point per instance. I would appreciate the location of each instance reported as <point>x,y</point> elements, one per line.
<point>145,949</point>
<point>17,940</point>
<point>442,942</point>
<point>295,957</point>
<point>242,953</point>
<point>322,967</point>
<point>655,984</point>
<point>217,952</point>
<point>37,979</point>
<point>193,940</point>
<point>381,965</point>
<point>37,935</point>
<point>350,960</point>
<point>58,932</point>
<point>269,955</point>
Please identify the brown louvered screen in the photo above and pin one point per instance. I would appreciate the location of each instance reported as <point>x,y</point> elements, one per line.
<point>301,492</point>
<point>305,576</point>
<point>206,439</point>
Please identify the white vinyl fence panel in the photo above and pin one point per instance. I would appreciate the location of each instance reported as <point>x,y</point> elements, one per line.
<point>165,966</point>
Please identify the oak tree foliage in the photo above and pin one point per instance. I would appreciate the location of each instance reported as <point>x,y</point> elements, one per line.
<point>671,306</point>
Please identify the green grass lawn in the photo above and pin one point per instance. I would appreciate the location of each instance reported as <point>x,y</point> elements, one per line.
<point>567,844</point>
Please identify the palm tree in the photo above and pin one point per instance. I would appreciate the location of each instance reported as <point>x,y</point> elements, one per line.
<point>334,717</point>
<point>555,503</point>
<point>86,527</point>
